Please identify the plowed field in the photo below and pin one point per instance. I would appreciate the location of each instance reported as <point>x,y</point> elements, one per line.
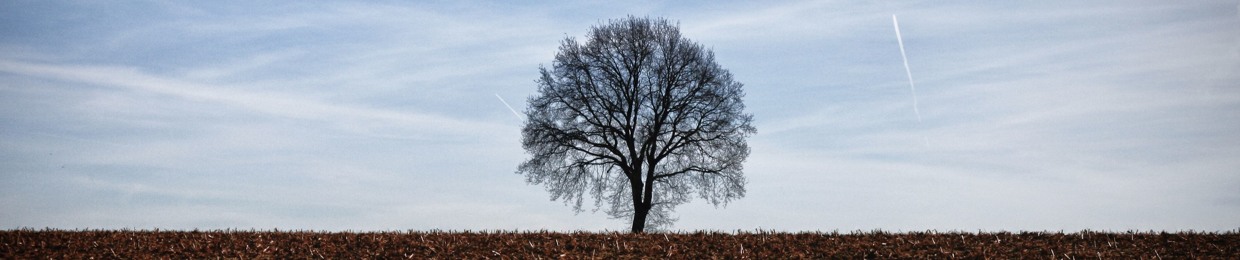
<point>59,244</point>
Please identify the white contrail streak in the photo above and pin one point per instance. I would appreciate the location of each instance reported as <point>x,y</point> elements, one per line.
<point>907,71</point>
<point>514,111</point>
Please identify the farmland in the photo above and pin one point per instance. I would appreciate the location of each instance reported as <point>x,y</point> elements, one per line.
<point>125,244</point>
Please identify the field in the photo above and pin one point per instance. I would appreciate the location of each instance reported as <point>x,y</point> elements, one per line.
<point>124,244</point>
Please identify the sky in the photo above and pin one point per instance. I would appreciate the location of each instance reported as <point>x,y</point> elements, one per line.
<point>369,116</point>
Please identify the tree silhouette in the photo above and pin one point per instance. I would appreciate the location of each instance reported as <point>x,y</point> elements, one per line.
<point>640,118</point>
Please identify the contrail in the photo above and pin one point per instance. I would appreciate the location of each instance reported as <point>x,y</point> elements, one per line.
<point>907,71</point>
<point>514,111</point>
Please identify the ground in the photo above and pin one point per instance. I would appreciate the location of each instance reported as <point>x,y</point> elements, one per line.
<point>125,244</point>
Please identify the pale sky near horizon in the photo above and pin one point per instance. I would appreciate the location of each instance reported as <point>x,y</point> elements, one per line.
<point>1044,115</point>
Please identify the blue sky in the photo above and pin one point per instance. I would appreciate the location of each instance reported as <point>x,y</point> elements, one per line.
<point>1045,115</point>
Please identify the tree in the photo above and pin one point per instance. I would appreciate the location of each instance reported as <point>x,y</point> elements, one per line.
<point>640,118</point>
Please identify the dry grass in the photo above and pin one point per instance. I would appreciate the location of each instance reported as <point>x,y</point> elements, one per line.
<point>60,244</point>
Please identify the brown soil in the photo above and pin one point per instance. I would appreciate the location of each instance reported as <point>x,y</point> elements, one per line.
<point>59,244</point>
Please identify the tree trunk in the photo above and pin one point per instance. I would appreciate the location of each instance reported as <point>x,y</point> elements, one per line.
<point>639,217</point>
<point>639,212</point>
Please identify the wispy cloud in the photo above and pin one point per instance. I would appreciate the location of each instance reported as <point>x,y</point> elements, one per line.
<point>1072,111</point>
<point>514,111</point>
<point>1046,115</point>
<point>284,105</point>
<point>908,72</point>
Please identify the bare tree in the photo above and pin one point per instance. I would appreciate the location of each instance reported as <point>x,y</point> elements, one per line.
<point>641,119</point>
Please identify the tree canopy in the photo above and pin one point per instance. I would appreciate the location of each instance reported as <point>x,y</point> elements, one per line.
<point>641,119</point>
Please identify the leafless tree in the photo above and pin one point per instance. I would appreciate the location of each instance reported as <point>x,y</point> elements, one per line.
<point>641,119</point>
